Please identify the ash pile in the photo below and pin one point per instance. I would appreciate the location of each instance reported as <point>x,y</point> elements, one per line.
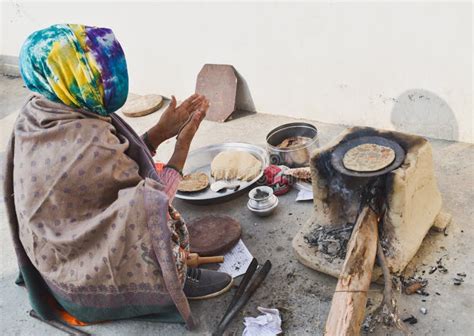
<point>332,242</point>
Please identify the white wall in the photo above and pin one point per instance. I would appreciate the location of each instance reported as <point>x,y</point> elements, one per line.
<point>392,65</point>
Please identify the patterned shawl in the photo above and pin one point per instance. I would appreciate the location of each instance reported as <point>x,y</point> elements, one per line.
<point>88,212</point>
<point>89,217</point>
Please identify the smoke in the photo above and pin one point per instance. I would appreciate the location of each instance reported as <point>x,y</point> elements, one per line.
<point>348,193</point>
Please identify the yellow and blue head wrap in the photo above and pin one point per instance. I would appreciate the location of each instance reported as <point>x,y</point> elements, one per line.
<point>76,65</point>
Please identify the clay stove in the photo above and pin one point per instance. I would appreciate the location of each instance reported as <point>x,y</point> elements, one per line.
<point>412,205</point>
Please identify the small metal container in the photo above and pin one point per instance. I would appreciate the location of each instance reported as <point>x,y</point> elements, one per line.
<point>262,206</point>
<point>296,156</point>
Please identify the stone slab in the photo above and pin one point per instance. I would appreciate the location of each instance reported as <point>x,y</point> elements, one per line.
<point>218,82</point>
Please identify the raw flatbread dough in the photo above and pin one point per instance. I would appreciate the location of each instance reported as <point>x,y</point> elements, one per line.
<point>193,182</point>
<point>229,165</point>
<point>368,157</point>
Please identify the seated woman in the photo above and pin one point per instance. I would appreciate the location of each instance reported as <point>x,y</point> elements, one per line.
<point>91,218</point>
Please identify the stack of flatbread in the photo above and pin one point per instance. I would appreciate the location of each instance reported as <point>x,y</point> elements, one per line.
<point>229,165</point>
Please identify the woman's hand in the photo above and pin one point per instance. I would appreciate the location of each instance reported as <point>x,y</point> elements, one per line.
<point>186,135</point>
<point>173,119</point>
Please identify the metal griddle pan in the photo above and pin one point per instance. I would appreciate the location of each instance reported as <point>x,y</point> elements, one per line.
<point>340,151</point>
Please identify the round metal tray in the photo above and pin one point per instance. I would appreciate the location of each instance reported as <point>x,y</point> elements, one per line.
<point>200,160</point>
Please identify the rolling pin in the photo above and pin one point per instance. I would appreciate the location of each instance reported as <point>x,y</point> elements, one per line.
<point>194,260</point>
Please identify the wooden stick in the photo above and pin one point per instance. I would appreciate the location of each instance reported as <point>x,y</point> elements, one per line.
<point>194,260</point>
<point>348,303</point>
<point>388,309</point>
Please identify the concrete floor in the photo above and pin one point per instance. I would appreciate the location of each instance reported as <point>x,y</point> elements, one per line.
<point>302,295</point>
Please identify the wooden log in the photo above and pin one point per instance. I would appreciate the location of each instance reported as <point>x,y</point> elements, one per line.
<point>349,300</point>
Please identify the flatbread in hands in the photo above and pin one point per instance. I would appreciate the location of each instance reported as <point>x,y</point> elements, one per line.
<point>229,165</point>
<point>368,157</point>
<point>193,182</point>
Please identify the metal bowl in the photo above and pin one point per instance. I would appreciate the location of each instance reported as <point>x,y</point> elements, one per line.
<point>296,156</point>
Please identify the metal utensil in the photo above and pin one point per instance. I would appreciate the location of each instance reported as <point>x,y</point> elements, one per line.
<point>240,302</point>
<point>243,284</point>
<point>219,186</point>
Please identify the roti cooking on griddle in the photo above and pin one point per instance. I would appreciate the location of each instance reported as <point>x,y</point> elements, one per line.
<point>193,182</point>
<point>368,157</point>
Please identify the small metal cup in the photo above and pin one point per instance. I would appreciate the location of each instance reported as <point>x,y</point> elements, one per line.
<point>262,206</point>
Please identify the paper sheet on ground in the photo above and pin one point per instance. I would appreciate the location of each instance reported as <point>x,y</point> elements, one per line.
<point>237,260</point>
<point>305,191</point>
<point>268,324</point>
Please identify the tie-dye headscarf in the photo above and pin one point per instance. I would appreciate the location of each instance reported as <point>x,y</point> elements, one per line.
<point>77,65</point>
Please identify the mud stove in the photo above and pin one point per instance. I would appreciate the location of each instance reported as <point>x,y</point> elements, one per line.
<point>406,200</point>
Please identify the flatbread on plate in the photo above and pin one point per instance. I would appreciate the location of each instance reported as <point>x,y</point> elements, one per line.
<point>233,164</point>
<point>368,157</point>
<point>193,182</point>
